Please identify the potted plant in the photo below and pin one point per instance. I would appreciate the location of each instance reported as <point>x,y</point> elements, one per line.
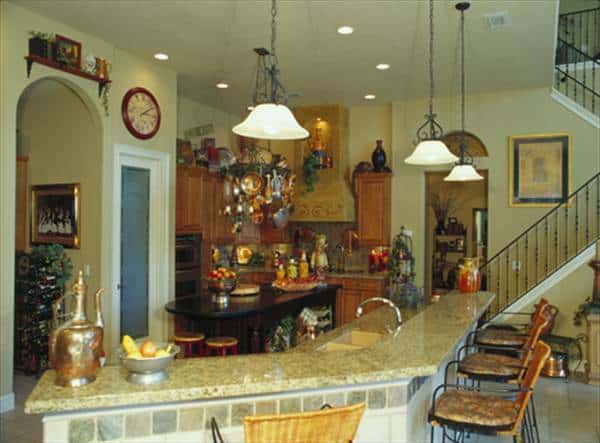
<point>41,44</point>
<point>54,262</point>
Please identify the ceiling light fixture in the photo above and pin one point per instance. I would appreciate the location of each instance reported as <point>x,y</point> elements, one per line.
<point>382,66</point>
<point>463,170</point>
<point>161,56</point>
<point>270,119</point>
<point>345,30</point>
<point>430,149</point>
<point>370,97</point>
<point>222,85</point>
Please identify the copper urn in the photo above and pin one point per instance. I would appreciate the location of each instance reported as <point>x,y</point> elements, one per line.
<point>75,346</point>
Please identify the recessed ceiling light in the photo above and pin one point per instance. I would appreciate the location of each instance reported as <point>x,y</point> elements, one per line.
<point>250,108</point>
<point>345,30</point>
<point>222,85</point>
<point>382,66</point>
<point>161,56</point>
<point>370,97</point>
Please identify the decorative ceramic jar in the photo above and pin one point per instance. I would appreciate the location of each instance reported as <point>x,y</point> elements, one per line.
<point>378,157</point>
<point>469,278</point>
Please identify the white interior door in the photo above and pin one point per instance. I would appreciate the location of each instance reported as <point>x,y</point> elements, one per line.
<point>140,254</point>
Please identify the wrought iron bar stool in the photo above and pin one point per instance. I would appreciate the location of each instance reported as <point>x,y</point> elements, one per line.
<point>459,409</point>
<point>501,368</point>
<point>188,341</point>
<point>222,346</point>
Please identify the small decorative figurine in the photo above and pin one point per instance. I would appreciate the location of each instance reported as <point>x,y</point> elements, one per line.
<point>318,259</point>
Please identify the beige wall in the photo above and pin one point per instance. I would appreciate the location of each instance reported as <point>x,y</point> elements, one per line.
<point>493,117</point>
<point>128,71</point>
<point>64,145</point>
<point>191,114</point>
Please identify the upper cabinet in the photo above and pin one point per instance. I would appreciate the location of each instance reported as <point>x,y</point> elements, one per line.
<point>189,204</point>
<point>373,208</point>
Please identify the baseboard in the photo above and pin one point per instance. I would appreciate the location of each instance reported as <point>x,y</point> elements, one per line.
<point>579,110</point>
<point>7,402</point>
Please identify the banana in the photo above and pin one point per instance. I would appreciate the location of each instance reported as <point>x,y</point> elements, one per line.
<point>129,345</point>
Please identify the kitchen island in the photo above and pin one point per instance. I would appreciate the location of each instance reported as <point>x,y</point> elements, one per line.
<point>394,376</point>
<point>248,317</point>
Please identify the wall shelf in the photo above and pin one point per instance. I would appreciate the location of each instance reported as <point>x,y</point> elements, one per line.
<point>31,59</point>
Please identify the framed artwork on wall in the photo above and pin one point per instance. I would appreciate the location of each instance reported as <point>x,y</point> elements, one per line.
<point>68,51</point>
<point>539,169</point>
<point>56,214</point>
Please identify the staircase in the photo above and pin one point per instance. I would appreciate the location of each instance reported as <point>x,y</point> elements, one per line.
<point>553,243</point>
<point>577,63</point>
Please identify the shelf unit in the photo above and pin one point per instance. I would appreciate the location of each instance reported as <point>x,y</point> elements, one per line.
<point>445,259</point>
<point>31,59</point>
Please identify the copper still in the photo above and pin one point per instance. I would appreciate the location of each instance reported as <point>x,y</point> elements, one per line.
<point>76,345</point>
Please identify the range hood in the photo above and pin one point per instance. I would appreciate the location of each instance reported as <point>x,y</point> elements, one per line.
<point>332,199</point>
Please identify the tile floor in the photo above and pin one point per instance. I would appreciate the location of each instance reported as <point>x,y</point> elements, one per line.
<point>567,413</point>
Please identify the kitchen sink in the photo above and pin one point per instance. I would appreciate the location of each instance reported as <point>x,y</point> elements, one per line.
<point>355,339</point>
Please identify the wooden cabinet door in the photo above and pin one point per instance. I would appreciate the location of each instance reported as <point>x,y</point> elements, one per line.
<point>223,223</point>
<point>352,299</point>
<point>181,198</point>
<point>208,215</point>
<point>194,196</point>
<point>373,208</point>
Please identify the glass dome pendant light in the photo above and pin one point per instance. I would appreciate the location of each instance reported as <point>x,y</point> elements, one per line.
<point>463,170</point>
<point>430,149</point>
<point>270,118</point>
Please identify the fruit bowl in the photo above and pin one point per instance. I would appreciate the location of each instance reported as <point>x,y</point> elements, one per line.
<point>222,285</point>
<point>148,370</point>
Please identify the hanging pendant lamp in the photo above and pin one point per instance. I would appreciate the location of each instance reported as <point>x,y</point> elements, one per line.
<point>270,118</point>
<point>430,149</point>
<point>463,170</point>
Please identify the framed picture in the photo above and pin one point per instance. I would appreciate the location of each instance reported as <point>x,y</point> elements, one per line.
<point>67,51</point>
<point>56,214</point>
<point>539,169</point>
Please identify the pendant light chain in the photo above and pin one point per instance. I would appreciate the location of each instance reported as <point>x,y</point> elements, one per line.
<point>275,85</point>
<point>462,85</point>
<point>431,85</point>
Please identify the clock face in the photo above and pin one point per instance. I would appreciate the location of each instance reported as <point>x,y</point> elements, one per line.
<point>141,113</point>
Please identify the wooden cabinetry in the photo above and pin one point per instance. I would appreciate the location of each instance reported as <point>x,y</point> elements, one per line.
<point>373,208</point>
<point>354,291</point>
<point>21,205</point>
<point>189,203</point>
<point>222,223</point>
<point>269,234</point>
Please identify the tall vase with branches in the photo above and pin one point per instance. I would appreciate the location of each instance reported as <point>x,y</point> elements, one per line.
<point>442,205</point>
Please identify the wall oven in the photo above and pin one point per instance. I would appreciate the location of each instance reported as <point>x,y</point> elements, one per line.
<point>187,252</point>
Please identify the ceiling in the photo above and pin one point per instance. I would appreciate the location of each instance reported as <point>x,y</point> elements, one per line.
<point>209,41</point>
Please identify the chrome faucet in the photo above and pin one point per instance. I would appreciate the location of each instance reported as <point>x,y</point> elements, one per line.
<point>360,311</point>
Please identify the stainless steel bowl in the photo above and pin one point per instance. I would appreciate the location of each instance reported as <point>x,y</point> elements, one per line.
<point>223,286</point>
<point>145,371</point>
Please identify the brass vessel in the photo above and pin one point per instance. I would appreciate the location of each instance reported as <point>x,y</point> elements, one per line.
<point>76,345</point>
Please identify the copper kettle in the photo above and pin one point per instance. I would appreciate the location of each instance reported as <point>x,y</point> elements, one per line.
<point>75,346</point>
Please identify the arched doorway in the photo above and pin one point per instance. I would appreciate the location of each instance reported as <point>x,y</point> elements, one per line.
<point>59,141</point>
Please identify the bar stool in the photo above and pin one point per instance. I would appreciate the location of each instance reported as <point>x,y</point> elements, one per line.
<point>222,346</point>
<point>188,340</point>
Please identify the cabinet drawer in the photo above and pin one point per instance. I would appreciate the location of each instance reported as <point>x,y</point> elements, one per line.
<point>353,284</point>
<point>371,285</point>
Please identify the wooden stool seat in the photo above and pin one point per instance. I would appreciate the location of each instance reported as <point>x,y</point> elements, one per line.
<point>190,340</point>
<point>189,337</point>
<point>222,345</point>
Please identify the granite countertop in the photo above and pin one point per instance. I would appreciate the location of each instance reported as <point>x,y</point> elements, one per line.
<point>428,334</point>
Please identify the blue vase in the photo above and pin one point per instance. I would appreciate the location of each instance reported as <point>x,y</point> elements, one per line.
<point>378,157</point>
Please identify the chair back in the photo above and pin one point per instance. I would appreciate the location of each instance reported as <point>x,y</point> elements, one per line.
<point>532,339</point>
<point>336,425</point>
<point>541,353</point>
<point>539,309</point>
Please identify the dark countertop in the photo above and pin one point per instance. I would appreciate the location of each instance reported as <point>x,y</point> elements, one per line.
<point>202,307</point>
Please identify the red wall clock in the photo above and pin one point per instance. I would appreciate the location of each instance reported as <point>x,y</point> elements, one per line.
<point>141,113</point>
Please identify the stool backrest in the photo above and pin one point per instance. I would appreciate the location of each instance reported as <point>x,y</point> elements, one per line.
<point>540,355</point>
<point>336,425</point>
<point>540,307</point>
<point>532,339</point>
